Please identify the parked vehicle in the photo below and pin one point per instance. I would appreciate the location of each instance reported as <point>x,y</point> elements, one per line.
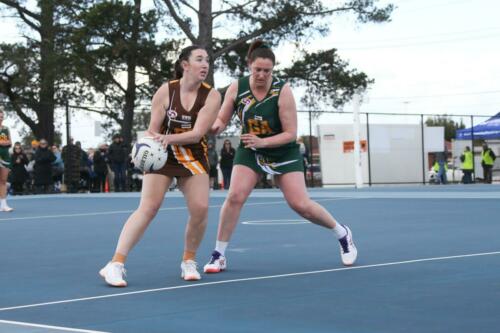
<point>314,172</point>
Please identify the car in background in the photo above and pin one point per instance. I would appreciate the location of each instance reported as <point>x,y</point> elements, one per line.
<point>314,172</point>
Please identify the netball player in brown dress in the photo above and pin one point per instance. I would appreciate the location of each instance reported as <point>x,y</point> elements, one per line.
<point>182,112</point>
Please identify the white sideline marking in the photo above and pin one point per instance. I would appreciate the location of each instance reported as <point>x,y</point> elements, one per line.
<point>275,222</point>
<point>67,329</point>
<point>268,277</point>
<point>132,210</point>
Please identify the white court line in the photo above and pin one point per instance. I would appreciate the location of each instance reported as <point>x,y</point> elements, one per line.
<point>275,222</point>
<point>131,211</point>
<point>268,277</point>
<point>60,328</point>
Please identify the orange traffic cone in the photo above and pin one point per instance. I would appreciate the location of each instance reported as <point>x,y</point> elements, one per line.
<point>106,185</point>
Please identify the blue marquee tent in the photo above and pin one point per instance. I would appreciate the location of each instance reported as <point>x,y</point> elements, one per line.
<point>489,129</point>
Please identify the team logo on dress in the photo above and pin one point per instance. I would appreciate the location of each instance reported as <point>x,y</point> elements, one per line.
<point>171,114</point>
<point>246,103</point>
<point>247,100</point>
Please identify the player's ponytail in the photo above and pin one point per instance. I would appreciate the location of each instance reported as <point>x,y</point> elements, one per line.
<point>178,69</point>
<point>259,49</point>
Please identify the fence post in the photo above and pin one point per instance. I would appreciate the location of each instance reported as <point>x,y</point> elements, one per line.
<point>472,147</point>
<point>68,124</point>
<point>368,150</point>
<point>358,170</point>
<point>423,149</point>
<point>310,174</point>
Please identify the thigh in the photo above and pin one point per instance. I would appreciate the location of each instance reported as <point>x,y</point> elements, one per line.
<point>195,189</point>
<point>243,181</point>
<point>293,186</point>
<point>4,173</point>
<point>153,189</point>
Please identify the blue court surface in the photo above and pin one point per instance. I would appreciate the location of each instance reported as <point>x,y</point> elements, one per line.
<point>429,261</point>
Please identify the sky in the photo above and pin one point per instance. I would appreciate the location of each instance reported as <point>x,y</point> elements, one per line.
<point>433,57</point>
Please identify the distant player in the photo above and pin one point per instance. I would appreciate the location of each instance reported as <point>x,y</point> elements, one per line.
<point>5,144</point>
<point>182,112</point>
<point>266,108</point>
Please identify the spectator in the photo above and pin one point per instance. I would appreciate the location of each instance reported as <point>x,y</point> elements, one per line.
<point>30,167</point>
<point>226,162</point>
<point>19,173</point>
<point>213,161</point>
<point>467,165</point>
<point>443,168</point>
<point>100,169</point>
<point>440,168</point>
<point>117,156</point>
<point>57,168</point>
<point>71,156</point>
<point>43,168</point>
<point>34,145</point>
<point>487,161</point>
<point>90,165</point>
<point>84,182</point>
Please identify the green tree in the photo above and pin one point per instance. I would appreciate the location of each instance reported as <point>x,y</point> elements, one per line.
<point>119,60</point>
<point>450,126</point>
<point>326,77</point>
<point>35,75</point>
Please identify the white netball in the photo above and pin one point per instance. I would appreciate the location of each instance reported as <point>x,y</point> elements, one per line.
<point>148,154</point>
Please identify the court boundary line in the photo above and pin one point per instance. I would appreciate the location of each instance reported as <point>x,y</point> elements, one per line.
<point>276,222</point>
<point>161,209</point>
<point>257,278</point>
<point>60,328</point>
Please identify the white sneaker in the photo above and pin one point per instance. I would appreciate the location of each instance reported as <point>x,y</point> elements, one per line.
<point>348,251</point>
<point>189,270</point>
<point>114,273</point>
<point>6,209</point>
<point>216,264</point>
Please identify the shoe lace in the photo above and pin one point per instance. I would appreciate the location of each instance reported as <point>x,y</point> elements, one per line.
<point>120,270</point>
<point>344,245</point>
<point>191,266</point>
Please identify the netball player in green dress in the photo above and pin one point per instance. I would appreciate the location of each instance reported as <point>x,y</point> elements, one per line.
<point>266,108</point>
<point>4,164</point>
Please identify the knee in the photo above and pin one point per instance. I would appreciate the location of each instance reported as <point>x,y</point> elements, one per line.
<point>235,199</point>
<point>303,208</point>
<point>199,211</point>
<point>149,210</point>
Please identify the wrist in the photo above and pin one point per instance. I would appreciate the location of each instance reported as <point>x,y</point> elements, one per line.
<point>264,143</point>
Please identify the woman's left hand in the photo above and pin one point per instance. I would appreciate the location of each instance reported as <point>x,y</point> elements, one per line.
<point>252,141</point>
<point>161,138</point>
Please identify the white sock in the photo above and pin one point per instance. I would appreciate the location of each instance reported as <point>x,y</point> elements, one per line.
<point>3,203</point>
<point>221,247</point>
<point>339,230</point>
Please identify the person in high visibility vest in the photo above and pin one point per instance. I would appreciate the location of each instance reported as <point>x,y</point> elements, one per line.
<point>467,165</point>
<point>440,168</point>
<point>488,159</point>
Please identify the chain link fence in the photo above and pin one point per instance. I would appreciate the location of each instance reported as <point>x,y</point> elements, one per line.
<point>396,148</point>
